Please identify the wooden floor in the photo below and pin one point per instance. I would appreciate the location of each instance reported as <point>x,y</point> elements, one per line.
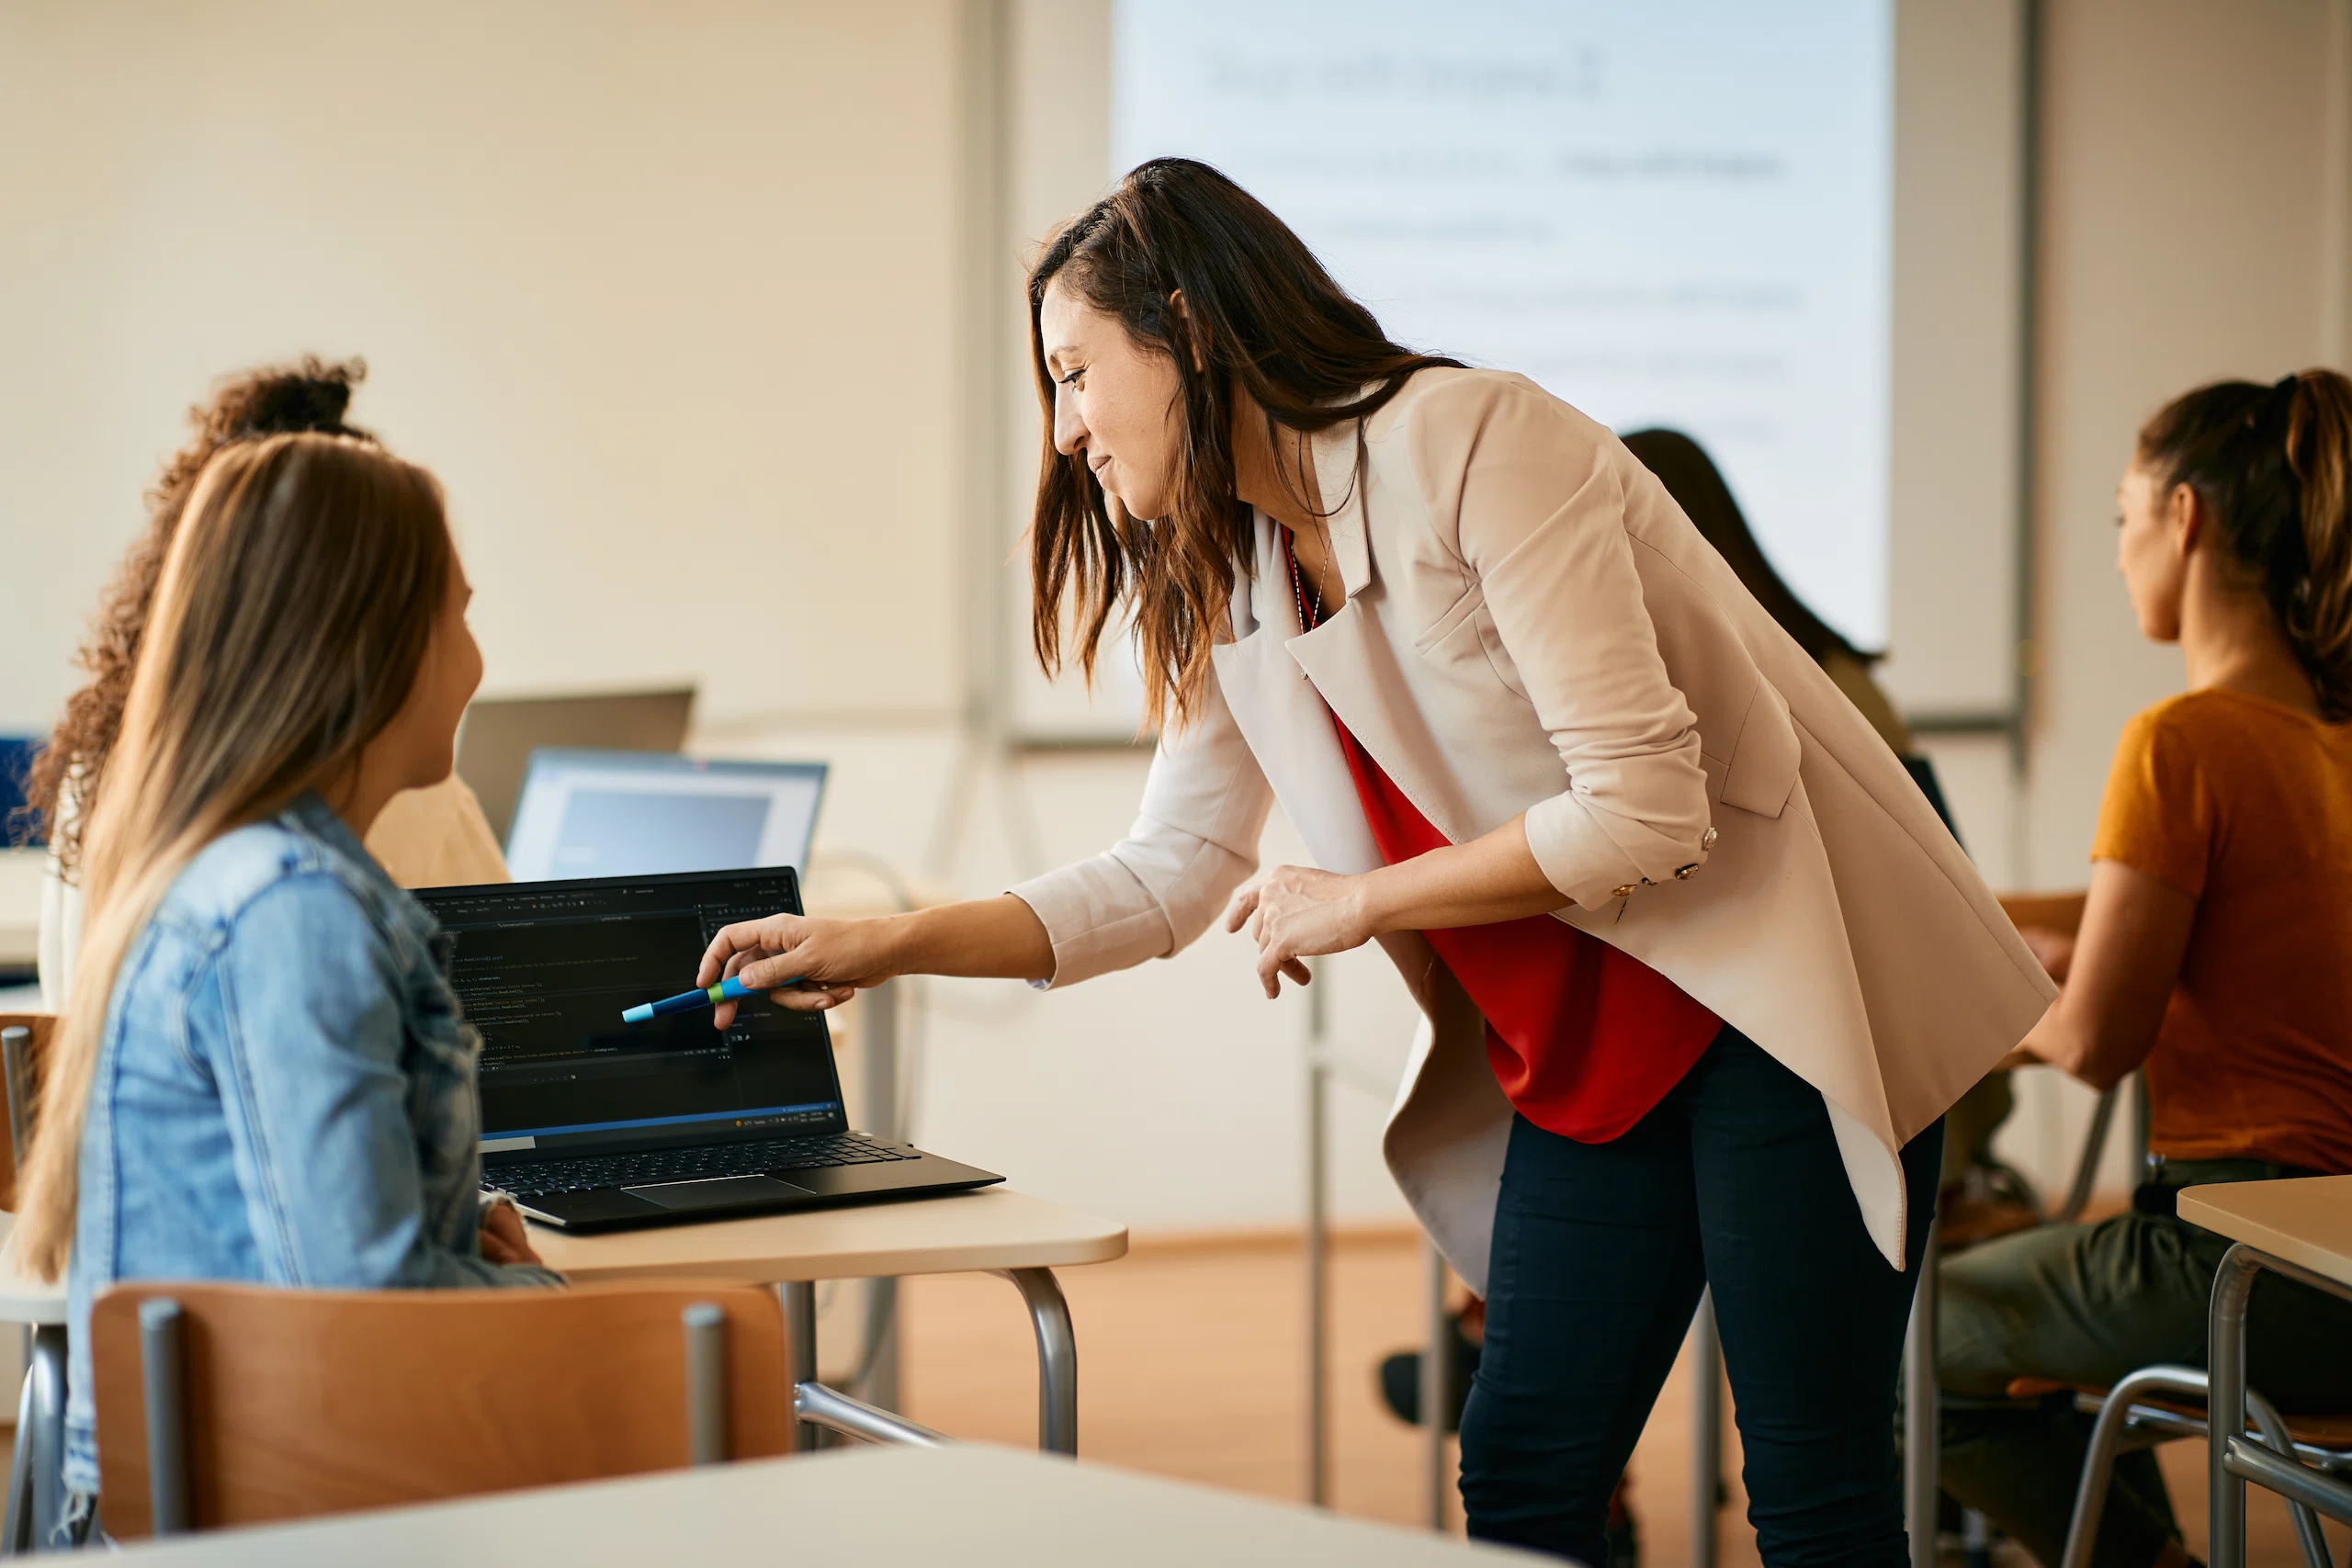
<point>1191,1364</point>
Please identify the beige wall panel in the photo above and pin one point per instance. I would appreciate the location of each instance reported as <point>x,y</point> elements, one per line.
<point>661,291</point>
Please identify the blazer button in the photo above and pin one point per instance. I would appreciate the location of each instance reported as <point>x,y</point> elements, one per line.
<point>1624,892</point>
<point>1684,874</point>
<point>1707,839</point>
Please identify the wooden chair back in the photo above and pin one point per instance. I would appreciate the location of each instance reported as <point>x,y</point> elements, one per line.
<point>23,1081</point>
<point>298,1402</point>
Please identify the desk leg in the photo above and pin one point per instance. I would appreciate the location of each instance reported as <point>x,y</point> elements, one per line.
<point>1318,1277</point>
<point>2225,1414</point>
<point>1922,1433</point>
<point>1056,1358</point>
<point>881,1346</point>
<point>1437,1373</point>
<point>800,1335</point>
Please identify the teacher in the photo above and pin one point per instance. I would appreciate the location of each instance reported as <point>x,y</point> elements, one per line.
<point>1699,966</point>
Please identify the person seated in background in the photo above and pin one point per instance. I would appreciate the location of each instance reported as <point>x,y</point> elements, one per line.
<point>2215,953</point>
<point>265,1076</point>
<point>426,838</point>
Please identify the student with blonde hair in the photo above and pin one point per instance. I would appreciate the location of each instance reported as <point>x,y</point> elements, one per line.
<point>2215,954</point>
<point>423,838</point>
<point>264,1075</point>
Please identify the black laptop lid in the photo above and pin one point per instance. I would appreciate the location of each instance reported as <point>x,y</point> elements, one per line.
<point>544,969</point>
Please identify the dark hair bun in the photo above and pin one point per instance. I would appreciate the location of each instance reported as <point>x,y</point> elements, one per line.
<point>312,396</point>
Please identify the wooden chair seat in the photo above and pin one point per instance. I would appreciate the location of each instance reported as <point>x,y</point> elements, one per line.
<point>2330,1432</point>
<point>298,1402</point>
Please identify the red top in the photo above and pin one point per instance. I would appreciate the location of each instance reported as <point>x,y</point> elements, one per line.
<point>1584,1039</point>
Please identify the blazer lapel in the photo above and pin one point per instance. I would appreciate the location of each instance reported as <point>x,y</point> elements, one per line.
<point>1286,722</point>
<point>1352,659</point>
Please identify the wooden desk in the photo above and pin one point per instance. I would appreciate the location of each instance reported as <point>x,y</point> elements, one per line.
<point>2302,1229</point>
<point>974,1507</point>
<point>993,1230</point>
<point>2307,1223</point>
<point>20,878</point>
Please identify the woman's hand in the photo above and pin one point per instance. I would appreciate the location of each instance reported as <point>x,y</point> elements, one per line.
<point>829,960</point>
<point>503,1239</point>
<point>1296,913</point>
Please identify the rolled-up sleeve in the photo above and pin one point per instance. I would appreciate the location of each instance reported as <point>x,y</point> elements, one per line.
<point>1523,488</point>
<point>1194,842</point>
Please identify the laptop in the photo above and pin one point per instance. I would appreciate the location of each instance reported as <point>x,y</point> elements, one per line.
<point>636,813</point>
<point>495,743</point>
<point>594,1125</point>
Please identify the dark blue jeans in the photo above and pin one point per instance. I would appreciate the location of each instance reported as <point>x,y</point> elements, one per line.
<point>1600,1251</point>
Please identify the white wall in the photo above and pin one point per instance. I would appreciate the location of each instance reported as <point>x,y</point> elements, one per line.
<point>661,292</point>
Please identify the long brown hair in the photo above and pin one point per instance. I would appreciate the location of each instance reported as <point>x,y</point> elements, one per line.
<point>293,611</point>
<point>310,395</point>
<point>2274,466</point>
<point>1260,316</point>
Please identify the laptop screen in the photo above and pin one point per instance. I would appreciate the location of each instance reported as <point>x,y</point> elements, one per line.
<point>543,970</point>
<point>637,814</point>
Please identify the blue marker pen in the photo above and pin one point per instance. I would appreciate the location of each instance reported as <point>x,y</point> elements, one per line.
<point>731,989</point>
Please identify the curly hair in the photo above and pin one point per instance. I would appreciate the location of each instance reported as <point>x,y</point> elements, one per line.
<point>311,396</point>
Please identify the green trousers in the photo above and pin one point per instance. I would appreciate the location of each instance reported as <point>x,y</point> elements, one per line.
<point>2086,1304</point>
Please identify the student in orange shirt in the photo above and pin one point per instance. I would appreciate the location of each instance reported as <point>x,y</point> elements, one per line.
<point>2215,952</point>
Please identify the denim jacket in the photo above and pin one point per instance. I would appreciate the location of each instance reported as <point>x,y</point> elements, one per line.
<point>284,1093</point>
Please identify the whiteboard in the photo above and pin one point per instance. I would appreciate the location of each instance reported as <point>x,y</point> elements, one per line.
<point>1669,212</point>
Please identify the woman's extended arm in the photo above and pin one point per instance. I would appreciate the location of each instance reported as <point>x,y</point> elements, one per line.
<point>2124,965</point>
<point>1193,840</point>
<point>991,938</point>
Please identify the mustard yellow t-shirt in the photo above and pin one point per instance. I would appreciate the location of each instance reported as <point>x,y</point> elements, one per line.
<point>2246,807</point>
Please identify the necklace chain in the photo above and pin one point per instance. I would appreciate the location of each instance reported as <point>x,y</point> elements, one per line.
<point>1310,604</point>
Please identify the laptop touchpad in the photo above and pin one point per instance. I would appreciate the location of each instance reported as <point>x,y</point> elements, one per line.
<point>715,1192</point>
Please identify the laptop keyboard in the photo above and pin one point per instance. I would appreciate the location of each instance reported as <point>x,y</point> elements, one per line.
<point>546,1178</point>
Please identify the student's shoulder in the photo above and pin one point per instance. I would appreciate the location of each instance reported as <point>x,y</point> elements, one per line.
<point>2215,728</point>
<point>265,867</point>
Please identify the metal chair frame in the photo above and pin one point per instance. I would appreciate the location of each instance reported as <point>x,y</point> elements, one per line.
<point>2122,1417</point>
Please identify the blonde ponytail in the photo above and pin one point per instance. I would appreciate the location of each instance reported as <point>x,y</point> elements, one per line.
<point>291,617</point>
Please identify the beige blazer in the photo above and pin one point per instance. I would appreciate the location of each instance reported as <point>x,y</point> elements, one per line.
<point>1533,626</point>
